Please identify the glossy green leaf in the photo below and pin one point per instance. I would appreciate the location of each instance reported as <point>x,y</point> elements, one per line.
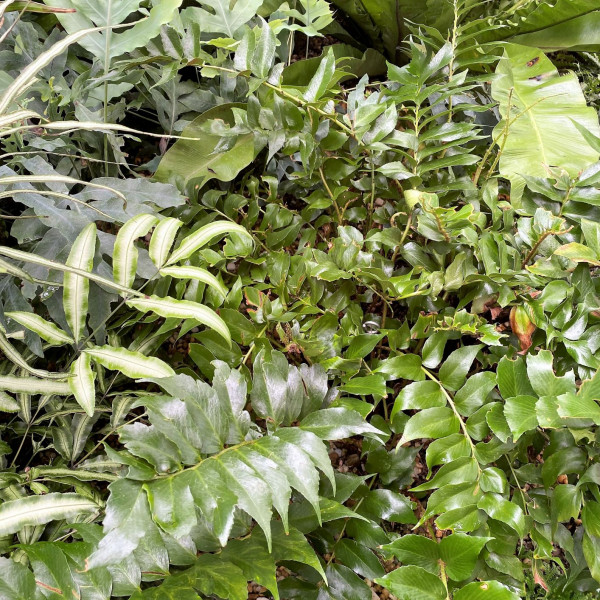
<point>413,583</point>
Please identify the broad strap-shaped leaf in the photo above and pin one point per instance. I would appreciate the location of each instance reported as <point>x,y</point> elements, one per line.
<point>485,590</point>
<point>540,107</point>
<point>77,288</point>
<point>82,383</point>
<point>198,274</point>
<point>125,257</point>
<point>133,364</point>
<point>182,309</point>
<point>38,510</point>
<point>48,331</point>
<point>162,239</point>
<point>205,235</point>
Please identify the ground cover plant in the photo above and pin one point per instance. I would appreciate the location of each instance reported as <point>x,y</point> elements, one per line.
<point>299,299</point>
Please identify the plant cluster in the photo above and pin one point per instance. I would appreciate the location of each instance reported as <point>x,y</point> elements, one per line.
<point>299,299</point>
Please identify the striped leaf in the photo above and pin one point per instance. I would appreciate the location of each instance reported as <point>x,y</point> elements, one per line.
<point>20,179</point>
<point>38,510</point>
<point>203,236</point>
<point>182,309</point>
<point>13,355</point>
<point>28,75</point>
<point>125,257</point>
<point>162,240</point>
<point>83,383</point>
<point>50,264</point>
<point>45,329</point>
<point>198,274</point>
<point>132,364</point>
<point>76,288</point>
<point>32,385</point>
<point>6,267</point>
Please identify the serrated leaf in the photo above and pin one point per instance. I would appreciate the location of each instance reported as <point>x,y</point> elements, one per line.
<point>76,288</point>
<point>203,236</point>
<point>125,255</point>
<point>182,309</point>
<point>131,364</point>
<point>82,383</point>
<point>38,510</point>
<point>45,329</point>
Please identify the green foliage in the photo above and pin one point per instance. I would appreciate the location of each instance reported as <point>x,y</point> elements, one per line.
<point>266,320</point>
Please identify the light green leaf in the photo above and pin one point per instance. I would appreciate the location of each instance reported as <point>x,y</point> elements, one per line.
<point>455,368</point>
<point>82,383</point>
<point>413,583</point>
<point>543,379</point>
<point>76,288</point>
<point>430,423</point>
<point>132,364</point>
<point>503,510</point>
<point>198,274</point>
<point>460,552</point>
<point>125,255</point>
<point>578,253</point>
<point>205,235</point>
<point>520,415</point>
<point>543,106</point>
<point>162,239</point>
<point>337,424</point>
<point>322,78</point>
<point>415,550</point>
<point>45,329</point>
<point>182,309</point>
<point>485,590</point>
<point>37,510</point>
<point>195,162</point>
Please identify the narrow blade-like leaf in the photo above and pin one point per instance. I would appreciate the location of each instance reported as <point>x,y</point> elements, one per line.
<point>82,383</point>
<point>182,309</point>
<point>45,329</point>
<point>76,288</point>
<point>132,364</point>
<point>203,236</point>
